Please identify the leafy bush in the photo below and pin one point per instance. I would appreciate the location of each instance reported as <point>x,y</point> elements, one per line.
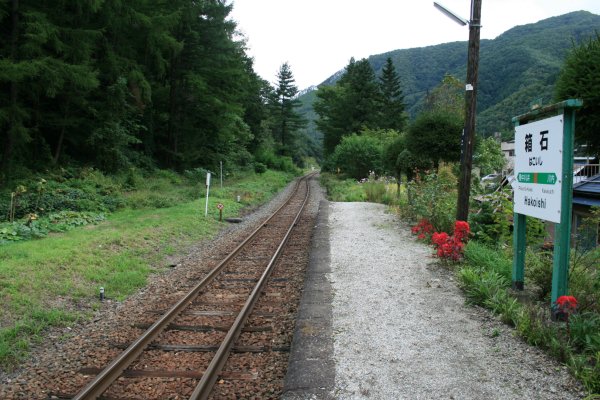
<point>485,257</point>
<point>259,168</point>
<point>267,157</point>
<point>196,175</point>
<point>538,271</point>
<point>435,136</point>
<point>488,156</point>
<point>356,156</point>
<point>491,221</point>
<point>60,197</point>
<point>432,196</point>
<point>479,286</point>
<point>491,218</point>
<point>585,332</point>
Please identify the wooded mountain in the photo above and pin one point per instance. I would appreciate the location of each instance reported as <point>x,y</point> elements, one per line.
<point>516,68</point>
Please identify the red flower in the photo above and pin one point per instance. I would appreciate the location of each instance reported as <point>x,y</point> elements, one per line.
<point>451,247</point>
<point>566,304</point>
<point>439,238</point>
<point>423,229</point>
<point>461,230</point>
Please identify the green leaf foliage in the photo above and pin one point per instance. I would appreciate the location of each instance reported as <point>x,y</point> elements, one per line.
<point>113,85</point>
<point>488,156</point>
<point>356,156</point>
<point>435,137</point>
<point>353,104</point>
<point>580,79</point>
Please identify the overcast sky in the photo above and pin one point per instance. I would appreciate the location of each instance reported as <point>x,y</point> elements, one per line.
<point>318,37</point>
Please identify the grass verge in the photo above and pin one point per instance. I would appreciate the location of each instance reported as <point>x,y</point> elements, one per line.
<point>485,279</point>
<point>55,281</point>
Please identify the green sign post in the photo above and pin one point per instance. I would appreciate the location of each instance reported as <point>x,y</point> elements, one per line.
<point>544,141</point>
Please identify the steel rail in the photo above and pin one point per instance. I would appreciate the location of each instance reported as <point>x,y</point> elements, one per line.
<point>204,387</point>
<point>114,370</point>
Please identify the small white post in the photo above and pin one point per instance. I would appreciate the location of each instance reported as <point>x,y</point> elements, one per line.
<point>207,190</point>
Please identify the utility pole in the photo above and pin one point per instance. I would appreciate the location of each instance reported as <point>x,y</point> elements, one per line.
<point>468,139</point>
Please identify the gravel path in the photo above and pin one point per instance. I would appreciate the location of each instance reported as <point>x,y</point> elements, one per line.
<point>402,331</point>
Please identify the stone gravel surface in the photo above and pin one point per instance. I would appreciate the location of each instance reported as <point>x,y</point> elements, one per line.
<point>401,328</point>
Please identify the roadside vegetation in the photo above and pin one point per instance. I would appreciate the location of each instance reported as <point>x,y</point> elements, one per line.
<point>413,168</point>
<point>74,232</point>
<point>484,265</point>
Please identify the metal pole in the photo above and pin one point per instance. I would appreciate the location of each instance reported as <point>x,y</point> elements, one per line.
<point>221,162</point>
<point>464,188</point>
<point>519,243</point>
<point>562,231</point>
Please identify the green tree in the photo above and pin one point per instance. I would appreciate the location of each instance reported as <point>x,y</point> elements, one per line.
<point>488,156</point>
<point>206,90</point>
<point>111,83</point>
<point>391,152</point>
<point>48,76</point>
<point>448,97</point>
<point>353,104</point>
<point>435,136</point>
<point>580,78</point>
<point>332,121</point>
<point>286,120</point>
<point>357,155</point>
<point>392,99</point>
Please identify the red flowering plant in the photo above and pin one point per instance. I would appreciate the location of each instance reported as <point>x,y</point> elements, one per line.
<point>564,307</point>
<point>423,230</point>
<point>452,247</point>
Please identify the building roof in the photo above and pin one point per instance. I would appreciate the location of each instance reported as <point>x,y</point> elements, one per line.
<point>587,188</point>
<point>586,201</point>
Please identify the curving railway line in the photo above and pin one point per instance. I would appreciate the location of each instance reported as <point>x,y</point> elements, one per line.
<point>217,339</point>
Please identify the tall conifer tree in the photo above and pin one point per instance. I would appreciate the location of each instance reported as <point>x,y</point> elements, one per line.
<point>353,104</point>
<point>287,121</point>
<point>392,111</point>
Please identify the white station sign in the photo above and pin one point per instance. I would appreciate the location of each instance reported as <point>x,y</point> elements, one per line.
<point>538,169</point>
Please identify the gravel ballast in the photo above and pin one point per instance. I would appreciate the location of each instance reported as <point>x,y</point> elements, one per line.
<point>401,329</point>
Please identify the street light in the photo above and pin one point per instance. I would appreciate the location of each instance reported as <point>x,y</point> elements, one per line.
<point>468,138</point>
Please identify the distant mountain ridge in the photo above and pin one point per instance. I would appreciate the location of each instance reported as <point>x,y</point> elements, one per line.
<point>517,67</point>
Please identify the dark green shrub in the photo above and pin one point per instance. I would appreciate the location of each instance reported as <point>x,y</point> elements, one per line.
<point>538,271</point>
<point>260,168</point>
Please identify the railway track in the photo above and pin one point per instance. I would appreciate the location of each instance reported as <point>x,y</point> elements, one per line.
<point>218,333</point>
